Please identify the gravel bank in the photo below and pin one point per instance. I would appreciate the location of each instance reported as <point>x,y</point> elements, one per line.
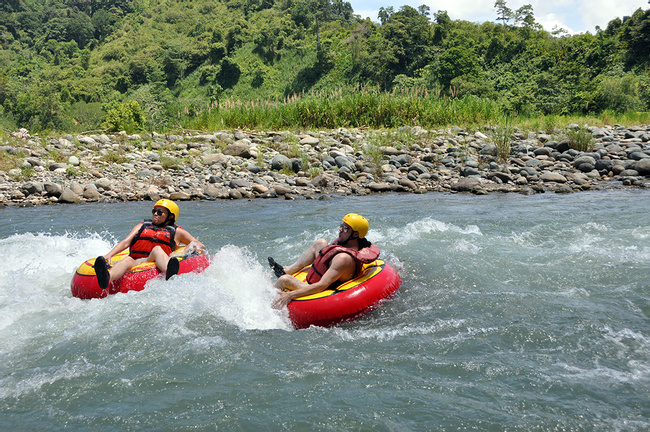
<point>287,165</point>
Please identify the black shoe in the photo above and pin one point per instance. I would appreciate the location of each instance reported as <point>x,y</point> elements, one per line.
<point>277,268</point>
<point>101,270</point>
<point>172,268</point>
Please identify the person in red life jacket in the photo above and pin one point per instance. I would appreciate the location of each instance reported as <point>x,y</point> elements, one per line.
<point>152,240</point>
<point>332,263</point>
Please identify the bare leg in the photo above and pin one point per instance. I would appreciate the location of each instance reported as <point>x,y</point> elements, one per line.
<point>307,257</point>
<point>159,256</point>
<point>122,266</point>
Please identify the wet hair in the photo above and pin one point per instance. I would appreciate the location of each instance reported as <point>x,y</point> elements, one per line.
<point>364,243</point>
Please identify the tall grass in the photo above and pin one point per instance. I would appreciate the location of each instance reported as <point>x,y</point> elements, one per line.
<point>366,107</point>
<point>580,139</point>
<point>354,108</point>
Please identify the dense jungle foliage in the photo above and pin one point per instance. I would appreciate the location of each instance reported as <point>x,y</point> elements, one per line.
<point>79,65</point>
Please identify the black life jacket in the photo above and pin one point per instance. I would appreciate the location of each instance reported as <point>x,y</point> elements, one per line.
<point>151,236</point>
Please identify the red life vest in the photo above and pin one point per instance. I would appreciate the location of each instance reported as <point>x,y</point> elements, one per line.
<point>151,236</point>
<point>322,261</point>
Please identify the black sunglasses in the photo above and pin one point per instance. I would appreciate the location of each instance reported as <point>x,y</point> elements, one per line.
<point>344,227</point>
<point>158,212</point>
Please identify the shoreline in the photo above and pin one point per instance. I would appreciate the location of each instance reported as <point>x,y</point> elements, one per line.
<point>314,165</point>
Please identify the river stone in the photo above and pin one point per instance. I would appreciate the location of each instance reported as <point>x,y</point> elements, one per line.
<point>57,165</point>
<point>552,177</point>
<point>466,185</point>
<point>281,189</point>
<point>35,162</point>
<point>419,168</point>
<point>312,141</point>
<point>629,173</point>
<point>91,194</point>
<point>211,159</point>
<point>179,196</point>
<point>260,189</point>
<point>295,164</point>
<point>528,171</point>
<point>77,188</point>
<point>53,189</point>
<point>584,160</point>
<point>638,155</point>
<point>546,151</point>
<point>103,183</point>
<point>389,151</point>
<point>69,197</point>
<point>33,188</point>
<point>238,149</point>
<point>344,161</point>
<point>604,165</point>
<point>407,183</point>
<point>239,184</point>
<point>213,192</point>
<point>235,194</point>
<point>403,159</point>
<point>504,177</point>
<point>469,172</point>
<point>279,162</point>
<point>74,161</point>
<point>254,168</point>
<point>643,167</point>
<point>345,174</point>
<point>380,187</point>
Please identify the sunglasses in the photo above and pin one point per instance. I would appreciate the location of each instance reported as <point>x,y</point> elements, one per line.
<point>157,212</point>
<point>345,228</point>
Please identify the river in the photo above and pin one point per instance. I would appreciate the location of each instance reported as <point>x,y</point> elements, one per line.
<point>516,313</point>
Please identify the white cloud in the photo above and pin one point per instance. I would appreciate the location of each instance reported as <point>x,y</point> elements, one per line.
<point>574,16</point>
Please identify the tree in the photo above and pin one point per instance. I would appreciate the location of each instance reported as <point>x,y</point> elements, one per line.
<point>504,13</point>
<point>385,14</point>
<point>456,62</point>
<point>525,18</point>
<point>103,22</point>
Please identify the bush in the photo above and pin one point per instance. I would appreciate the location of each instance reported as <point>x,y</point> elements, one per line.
<point>125,116</point>
<point>619,94</point>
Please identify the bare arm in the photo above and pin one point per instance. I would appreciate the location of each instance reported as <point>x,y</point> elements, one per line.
<point>183,237</point>
<point>124,243</point>
<point>342,266</point>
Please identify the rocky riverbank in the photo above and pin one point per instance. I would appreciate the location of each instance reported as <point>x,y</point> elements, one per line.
<point>227,165</point>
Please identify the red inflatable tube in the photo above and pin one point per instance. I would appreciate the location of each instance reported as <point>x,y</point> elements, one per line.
<point>351,300</point>
<point>84,282</point>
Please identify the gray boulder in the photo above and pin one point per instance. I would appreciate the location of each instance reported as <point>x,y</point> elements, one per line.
<point>239,149</point>
<point>643,167</point>
<point>31,188</point>
<point>552,177</point>
<point>69,197</point>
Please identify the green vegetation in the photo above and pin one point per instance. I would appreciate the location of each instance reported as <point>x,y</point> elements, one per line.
<point>114,157</point>
<point>502,135</point>
<point>144,65</point>
<point>374,154</point>
<point>580,139</point>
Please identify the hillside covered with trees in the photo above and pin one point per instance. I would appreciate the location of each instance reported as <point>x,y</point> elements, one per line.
<point>78,65</point>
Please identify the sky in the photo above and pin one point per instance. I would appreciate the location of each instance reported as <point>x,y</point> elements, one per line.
<point>574,16</point>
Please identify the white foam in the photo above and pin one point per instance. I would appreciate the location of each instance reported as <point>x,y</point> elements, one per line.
<point>419,230</point>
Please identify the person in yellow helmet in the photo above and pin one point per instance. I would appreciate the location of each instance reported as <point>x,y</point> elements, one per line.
<point>332,263</point>
<point>152,240</point>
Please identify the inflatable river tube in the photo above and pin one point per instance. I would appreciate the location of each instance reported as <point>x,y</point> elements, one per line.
<point>351,300</point>
<point>84,282</point>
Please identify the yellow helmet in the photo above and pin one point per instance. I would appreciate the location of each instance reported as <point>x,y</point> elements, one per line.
<point>358,223</point>
<point>170,206</point>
